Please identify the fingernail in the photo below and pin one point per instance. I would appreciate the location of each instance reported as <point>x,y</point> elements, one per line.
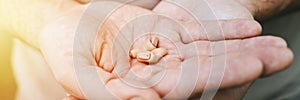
<point>281,42</point>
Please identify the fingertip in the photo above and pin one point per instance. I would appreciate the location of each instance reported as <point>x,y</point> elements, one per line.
<point>265,41</point>
<point>248,28</point>
<point>256,29</point>
<point>281,42</point>
<point>290,56</point>
<point>277,41</point>
<point>285,58</point>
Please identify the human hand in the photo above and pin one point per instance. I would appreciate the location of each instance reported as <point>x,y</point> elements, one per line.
<point>263,9</point>
<point>25,19</point>
<point>225,9</point>
<point>230,14</point>
<point>198,16</point>
<point>65,55</point>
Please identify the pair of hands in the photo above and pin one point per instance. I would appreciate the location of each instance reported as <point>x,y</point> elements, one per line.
<point>95,65</point>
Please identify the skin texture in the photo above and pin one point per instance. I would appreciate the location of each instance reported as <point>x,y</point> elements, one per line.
<point>223,10</point>
<point>263,9</point>
<point>219,12</point>
<point>259,55</point>
<point>25,12</point>
<point>254,61</point>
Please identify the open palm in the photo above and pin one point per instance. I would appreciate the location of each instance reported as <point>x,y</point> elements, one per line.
<point>228,14</point>
<point>98,66</point>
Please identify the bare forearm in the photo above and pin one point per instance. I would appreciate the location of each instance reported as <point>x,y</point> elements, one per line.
<point>294,6</point>
<point>262,9</point>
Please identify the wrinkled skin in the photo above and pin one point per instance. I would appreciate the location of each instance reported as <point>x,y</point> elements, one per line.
<point>246,59</point>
